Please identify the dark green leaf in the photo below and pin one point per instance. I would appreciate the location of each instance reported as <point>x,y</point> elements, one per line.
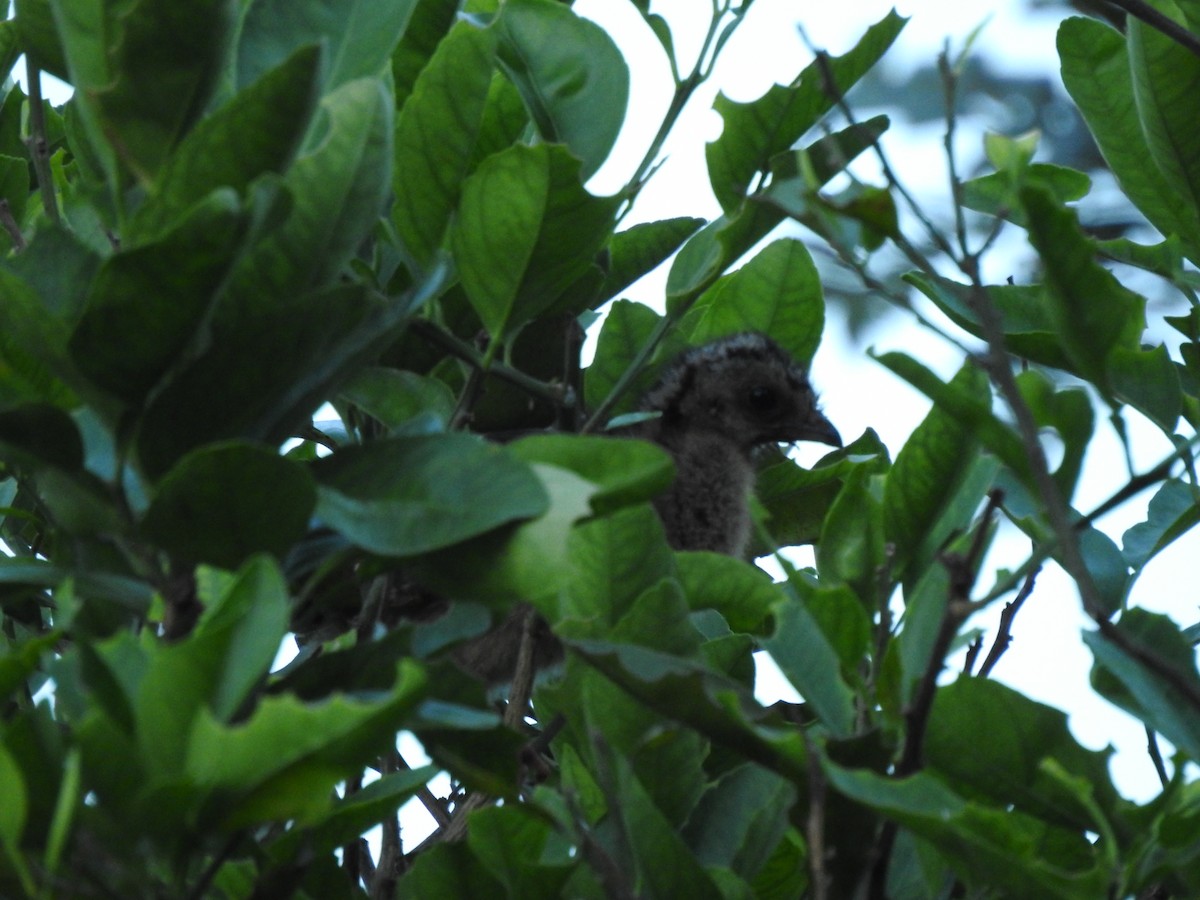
<point>1149,382</point>
<point>741,593</point>
<point>777,293</point>
<point>406,496</point>
<point>359,36</point>
<point>147,303</point>
<point>1096,73</point>
<point>851,548</point>
<point>755,132</point>
<point>996,193</point>
<point>223,503</point>
<point>625,471</point>
<point>1173,511</point>
<point>394,397</point>
<point>436,135</point>
<point>640,249</point>
<point>1159,699</point>
<point>256,132</point>
<point>526,229</point>
<point>572,77</point>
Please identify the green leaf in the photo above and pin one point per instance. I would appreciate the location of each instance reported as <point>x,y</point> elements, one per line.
<point>625,471</point>
<point>529,563</point>
<point>1007,768</point>
<point>14,807</point>
<point>1151,696</point>
<point>740,820</point>
<point>711,250</point>
<point>988,847</point>
<point>135,96</point>
<point>436,135</point>
<point>570,73</point>
<point>926,477</point>
<point>996,193</point>
<point>642,248</point>
<point>256,132</point>
<point>146,304</point>
<point>394,396</point>
<point>353,815</point>
<point>1069,412</point>
<point>966,407</point>
<point>216,669</point>
<point>810,662</point>
<point>1149,382</point>
<point>627,329</point>
<point>311,340</point>
<point>755,132</point>
<point>521,849</point>
<point>337,189</point>
<point>1024,312</point>
<point>225,502</point>
<point>359,36</point>
<point>741,593</point>
<point>851,548</point>
<point>1096,72</point>
<point>1166,77</point>
<point>1093,313</point>
<point>285,760</point>
<point>1173,511</point>
<point>427,26</point>
<point>778,293</point>
<point>406,496</point>
<point>615,559</point>
<point>526,229</point>
<point>39,37</point>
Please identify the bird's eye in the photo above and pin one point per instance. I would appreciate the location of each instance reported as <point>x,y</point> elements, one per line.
<point>763,398</point>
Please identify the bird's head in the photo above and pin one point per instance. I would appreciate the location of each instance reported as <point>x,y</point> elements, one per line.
<point>746,388</point>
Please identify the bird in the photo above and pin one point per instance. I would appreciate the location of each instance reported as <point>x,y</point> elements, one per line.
<point>716,405</point>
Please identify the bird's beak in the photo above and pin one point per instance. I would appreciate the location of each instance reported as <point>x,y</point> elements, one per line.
<point>820,429</point>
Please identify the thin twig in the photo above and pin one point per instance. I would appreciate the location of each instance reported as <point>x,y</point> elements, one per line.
<point>553,393</point>
<point>1160,22</point>
<point>10,225</point>
<point>1004,634</point>
<point>1156,756</point>
<point>39,149</point>
<point>814,828</point>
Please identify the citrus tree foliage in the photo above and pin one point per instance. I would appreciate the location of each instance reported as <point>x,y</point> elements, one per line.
<point>250,209</point>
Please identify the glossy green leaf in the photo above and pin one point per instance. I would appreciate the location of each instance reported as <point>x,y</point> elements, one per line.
<point>755,132</point>
<point>337,193</point>
<point>1024,312</point>
<point>778,293</point>
<point>624,471</point>
<point>406,496</point>
<point>1149,382</point>
<point>354,814</point>
<point>1008,766</point>
<point>1166,77</point>
<point>996,193</point>
<point>711,250</point>
<point>215,669</point>
<point>225,502</point>
<point>1173,511</point>
<point>146,304</point>
<point>526,229</point>
<point>1093,313</point>
<point>851,548</point>
<point>394,396</point>
<point>810,662</point>
<point>359,36</point>
<point>285,760</point>
<point>572,77</point>
<point>256,132</point>
<point>926,476</point>
<point>1156,698</point>
<point>530,563</point>
<point>988,847</point>
<point>436,135</point>
<point>130,91</point>
<point>1096,72</point>
<point>640,249</point>
<point>311,339</point>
